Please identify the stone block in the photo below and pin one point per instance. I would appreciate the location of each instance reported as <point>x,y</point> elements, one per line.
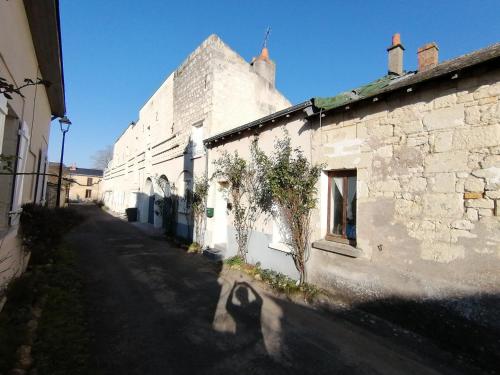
<point>464,98</point>
<point>496,211</point>
<point>488,100</point>
<point>491,175</point>
<point>473,195</point>
<point>477,137</point>
<point>472,115</point>
<point>445,101</point>
<point>482,92</point>
<point>411,127</point>
<point>455,161</point>
<point>444,118</point>
<point>472,214</point>
<point>474,184</point>
<point>443,205</point>
<point>494,90</point>
<point>485,212</point>
<point>381,131</point>
<point>443,182</point>
<point>491,161</point>
<point>407,209</point>
<point>462,224</point>
<point>418,140</point>
<point>493,194</point>
<point>417,184</point>
<point>443,141</point>
<point>479,203</point>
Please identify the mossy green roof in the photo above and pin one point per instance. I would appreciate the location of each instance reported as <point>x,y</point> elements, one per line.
<point>356,94</point>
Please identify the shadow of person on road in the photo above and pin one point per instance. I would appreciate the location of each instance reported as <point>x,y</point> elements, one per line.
<point>245,313</point>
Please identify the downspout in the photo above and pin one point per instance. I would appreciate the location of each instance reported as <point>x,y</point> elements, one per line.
<point>205,219</point>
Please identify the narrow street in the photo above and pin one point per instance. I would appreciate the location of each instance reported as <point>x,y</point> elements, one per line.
<point>157,310</point>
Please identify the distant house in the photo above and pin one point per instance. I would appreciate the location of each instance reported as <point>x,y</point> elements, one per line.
<point>30,48</point>
<point>52,180</point>
<point>85,184</point>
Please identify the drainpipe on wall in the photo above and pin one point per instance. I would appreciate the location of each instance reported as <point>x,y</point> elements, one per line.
<point>206,198</point>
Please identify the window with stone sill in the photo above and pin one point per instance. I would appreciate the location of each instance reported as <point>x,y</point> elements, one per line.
<point>341,214</point>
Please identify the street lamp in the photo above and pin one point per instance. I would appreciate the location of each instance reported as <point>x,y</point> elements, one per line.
<point>64,123</point>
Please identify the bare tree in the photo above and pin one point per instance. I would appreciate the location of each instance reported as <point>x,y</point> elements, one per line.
<point>102,157</point>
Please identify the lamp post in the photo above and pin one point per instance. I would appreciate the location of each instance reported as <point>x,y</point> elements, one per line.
<point>64,123</point>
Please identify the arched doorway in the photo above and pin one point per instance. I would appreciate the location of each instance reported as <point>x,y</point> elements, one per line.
<point>148,202</point>
<point>166,208</point>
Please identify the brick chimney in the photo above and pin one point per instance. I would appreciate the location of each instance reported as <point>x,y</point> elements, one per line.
<point>427,57</point>
<point>395,55</point>
<point>264,67</point>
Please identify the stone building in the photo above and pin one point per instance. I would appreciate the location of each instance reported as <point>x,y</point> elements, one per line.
<point>85,184</point>
<point>408,201</point>
<point>52,186</point>
<point>213,90</point>
<point>30,48</point>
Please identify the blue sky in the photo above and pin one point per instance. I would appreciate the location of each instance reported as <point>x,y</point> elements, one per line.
<point>117,52</point>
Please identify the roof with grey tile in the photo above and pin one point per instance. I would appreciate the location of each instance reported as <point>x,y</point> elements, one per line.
<point>85,172</point>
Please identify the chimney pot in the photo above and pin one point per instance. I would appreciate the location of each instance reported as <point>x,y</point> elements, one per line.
<point>395,55</point>
<point>428,56</point>
<point>396,39</point>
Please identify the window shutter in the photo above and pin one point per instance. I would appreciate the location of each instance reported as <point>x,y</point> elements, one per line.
<point>22,152</point>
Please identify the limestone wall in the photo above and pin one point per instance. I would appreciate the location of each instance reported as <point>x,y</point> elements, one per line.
<point>213,89</point>
<point>428,184</point>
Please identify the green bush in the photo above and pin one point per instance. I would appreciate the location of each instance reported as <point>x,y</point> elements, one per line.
<point>194,248</point>
<point>235,261</point>
<point>42,229</point>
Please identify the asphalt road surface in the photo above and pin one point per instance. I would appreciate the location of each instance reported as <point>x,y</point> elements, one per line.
<point>155,309</point>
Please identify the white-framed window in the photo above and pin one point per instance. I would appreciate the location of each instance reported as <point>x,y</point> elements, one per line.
<point>281,235</point>
<point>197,148</point>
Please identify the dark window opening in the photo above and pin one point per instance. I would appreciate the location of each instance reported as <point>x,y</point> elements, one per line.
<point>88,193</point>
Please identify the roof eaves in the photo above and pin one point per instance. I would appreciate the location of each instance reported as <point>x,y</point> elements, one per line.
<point>45,27</point>
<point>260,122</point>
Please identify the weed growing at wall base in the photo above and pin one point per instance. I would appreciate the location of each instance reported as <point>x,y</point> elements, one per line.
<point>276,280</point>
